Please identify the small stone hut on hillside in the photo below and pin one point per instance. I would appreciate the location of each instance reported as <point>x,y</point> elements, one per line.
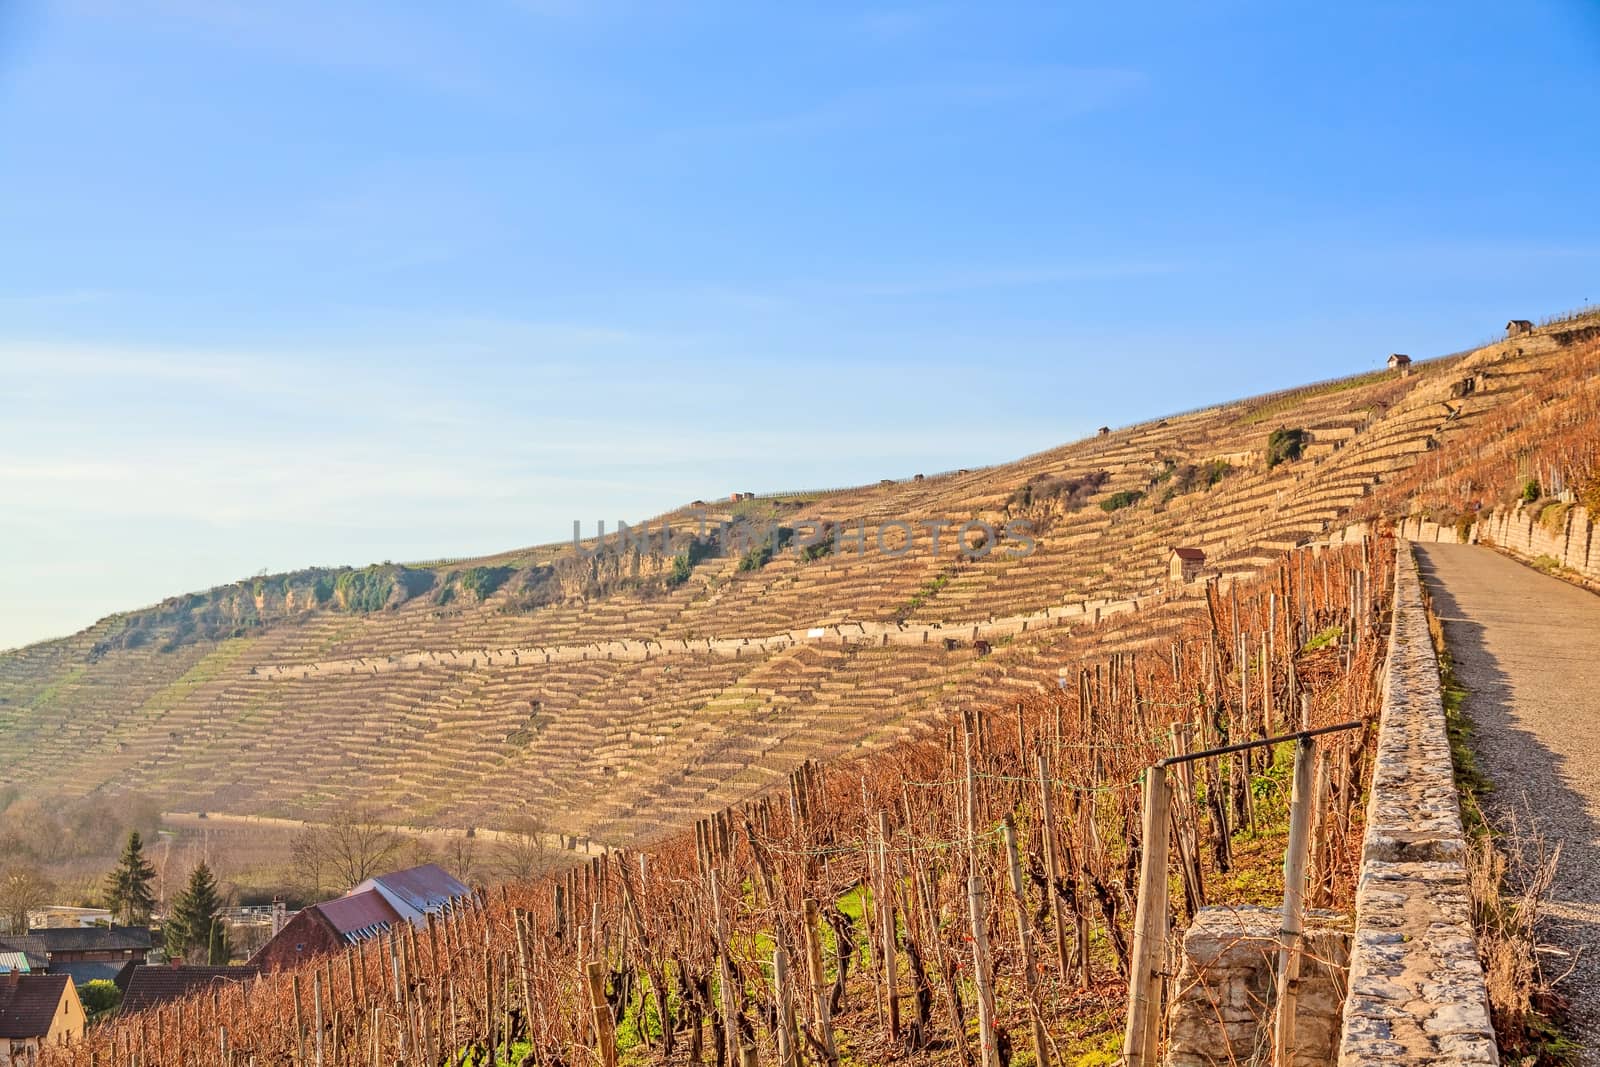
<point>1185,565</point>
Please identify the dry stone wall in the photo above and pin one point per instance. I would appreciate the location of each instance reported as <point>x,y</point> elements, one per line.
<point>871,633</point>
<point>1571,539</point>
<point>1223,1001</point>
<point>1417,991</point>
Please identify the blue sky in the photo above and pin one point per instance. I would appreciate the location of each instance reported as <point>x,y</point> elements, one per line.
<point>294,283</point>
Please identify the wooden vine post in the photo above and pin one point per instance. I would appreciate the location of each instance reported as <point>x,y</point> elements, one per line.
<point>1041,1042</point>
<point>604,1026</point>
<point>1052,864</point>
<point>299,1019</point>
<point>982,973</point>
<point>1294,884</point>
<point>730,1020</point>
<point>783,988</point>
<point>819,987</point>
<point>1186,829</point>
<point>885,903</point>
<point>316,1012</point>
<point>1142,1035</point>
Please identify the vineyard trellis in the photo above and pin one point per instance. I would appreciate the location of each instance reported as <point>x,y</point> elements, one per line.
<point>963,894</point>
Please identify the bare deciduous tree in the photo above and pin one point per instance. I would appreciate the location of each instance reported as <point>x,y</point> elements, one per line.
<point>522,851</point>
<point>22,889</point>
<point>346,850</point>
<point>459,855</point>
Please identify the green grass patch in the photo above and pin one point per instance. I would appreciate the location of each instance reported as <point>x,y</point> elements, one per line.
<point>1288,403</point>
<point>1324,639</point>
<point>51,692</point>
<point>929,590</point>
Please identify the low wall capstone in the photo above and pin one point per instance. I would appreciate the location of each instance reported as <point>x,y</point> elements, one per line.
<point>1417,993</point>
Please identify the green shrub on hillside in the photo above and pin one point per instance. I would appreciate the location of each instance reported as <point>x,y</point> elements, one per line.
<point>365,590</point>
<point>1214,471</point>
<point>1285,446</point>
<point>480,582</point>
<point>1324,638</point>
<point>260,587</point>
<point>817,550</point>
<point>1190,477</point>
<point>1125,499</point>
<point>760,554</point>
<point>1071,493</point>
<point>683,563</point>
<point>1530,490</point>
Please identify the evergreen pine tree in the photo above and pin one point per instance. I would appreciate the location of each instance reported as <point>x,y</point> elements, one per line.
<point>128,893</point>
<point>188,932</point>
<point>220,949</point>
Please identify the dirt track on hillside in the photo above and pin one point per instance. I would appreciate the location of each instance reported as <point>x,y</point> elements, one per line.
<point>1527,648</point>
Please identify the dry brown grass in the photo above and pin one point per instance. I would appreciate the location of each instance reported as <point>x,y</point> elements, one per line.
<point>1511,871</point>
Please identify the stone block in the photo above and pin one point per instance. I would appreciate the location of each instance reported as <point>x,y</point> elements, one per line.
<point>1221,1007</point>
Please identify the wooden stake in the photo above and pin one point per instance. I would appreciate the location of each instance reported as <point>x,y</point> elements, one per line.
<point>886,929</point>
<point>977,907</point>
<point>730,1024</point>
<point>1041,1043</point>
<point>1294,884</point>
<point>1186,824</point>
<point>1052,867</point>
<point>819,989</point>
<point>1140,1039</point>
<point>604,1026</point>
<point>299,1019</point>
<point>783,988</point>
<point>316,1014</point>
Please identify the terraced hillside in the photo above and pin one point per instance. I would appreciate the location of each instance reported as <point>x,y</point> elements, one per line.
<point>623,693</point>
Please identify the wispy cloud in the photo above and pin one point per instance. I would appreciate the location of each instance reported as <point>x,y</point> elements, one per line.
<point>1056,91</point>
<point>794,293</point>
<point>364,38</point>
<point>56,299</point>
<point>63,362</point>
<point>970,280</point>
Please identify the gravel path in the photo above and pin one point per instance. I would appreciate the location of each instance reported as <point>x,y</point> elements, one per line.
<point>1527,648</point>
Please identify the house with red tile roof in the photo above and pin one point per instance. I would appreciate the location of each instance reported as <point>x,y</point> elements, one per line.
<point>417,892</point>
<point>327,927</point>
<point>37,1010</point>
<point>370,909</point>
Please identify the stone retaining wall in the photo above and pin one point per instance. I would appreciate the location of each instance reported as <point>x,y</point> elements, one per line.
<point>1222,1003</point>
<point>1417,992</point>
<point>1572,540</point>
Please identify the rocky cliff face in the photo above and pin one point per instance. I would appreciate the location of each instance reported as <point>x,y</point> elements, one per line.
<point>236,609</point>
<point>252,604</point>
